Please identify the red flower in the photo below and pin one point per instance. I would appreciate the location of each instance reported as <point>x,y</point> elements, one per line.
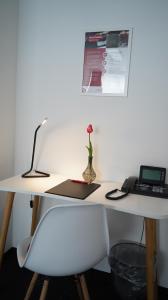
<point>90,148</point>
<point>90,128</point>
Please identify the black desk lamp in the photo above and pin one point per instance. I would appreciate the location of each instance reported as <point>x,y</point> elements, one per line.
<point>37,173</point>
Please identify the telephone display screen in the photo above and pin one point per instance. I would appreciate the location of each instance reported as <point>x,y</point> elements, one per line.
<point>152,175</point>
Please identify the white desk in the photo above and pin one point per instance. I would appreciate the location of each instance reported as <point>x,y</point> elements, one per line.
<point>152,209</point>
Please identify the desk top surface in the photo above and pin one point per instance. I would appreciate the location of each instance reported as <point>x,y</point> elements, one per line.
<point>150,207</point>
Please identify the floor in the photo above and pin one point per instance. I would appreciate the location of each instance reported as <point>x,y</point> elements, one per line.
<point>14,282</point>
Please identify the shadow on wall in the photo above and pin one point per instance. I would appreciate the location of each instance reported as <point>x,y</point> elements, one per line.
<point>124,226</point>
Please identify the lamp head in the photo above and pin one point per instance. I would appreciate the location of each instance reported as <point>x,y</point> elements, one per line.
<point>44,121</point>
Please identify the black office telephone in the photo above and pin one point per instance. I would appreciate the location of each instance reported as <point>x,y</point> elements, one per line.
<point>151,182</point>
<point>129,184</point>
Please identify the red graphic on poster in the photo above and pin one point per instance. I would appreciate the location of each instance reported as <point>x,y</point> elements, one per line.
<point>93,67</point>
<point>105,67</point>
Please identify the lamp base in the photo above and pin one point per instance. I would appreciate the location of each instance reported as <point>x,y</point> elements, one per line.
<point>35,174</point>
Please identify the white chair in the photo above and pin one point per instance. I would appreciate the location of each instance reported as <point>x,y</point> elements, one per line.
<point>68,240</point>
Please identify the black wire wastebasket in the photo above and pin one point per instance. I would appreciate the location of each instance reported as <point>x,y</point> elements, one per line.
<point>128,268</point>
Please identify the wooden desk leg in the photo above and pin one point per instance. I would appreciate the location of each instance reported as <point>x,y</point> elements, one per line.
<point>5,222</point>
<point>36,204</point>
<point>150,233</point>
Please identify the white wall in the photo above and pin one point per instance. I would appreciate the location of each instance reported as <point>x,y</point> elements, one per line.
<point>8,29</point>
<point>128,131</point>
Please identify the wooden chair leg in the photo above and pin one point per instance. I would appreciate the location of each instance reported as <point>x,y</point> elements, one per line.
<point>44,290</point>
<point>31,286</point>
<point>79,288</point>
<point>84,287</point>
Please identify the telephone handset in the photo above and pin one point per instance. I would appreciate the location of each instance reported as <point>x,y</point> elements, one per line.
<point>129,184</point>
<point>127,187</point>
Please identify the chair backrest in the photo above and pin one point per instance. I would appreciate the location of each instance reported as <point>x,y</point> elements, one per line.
<point>68,240</point>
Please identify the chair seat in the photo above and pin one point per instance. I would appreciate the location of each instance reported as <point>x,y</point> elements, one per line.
<point>69,240</point>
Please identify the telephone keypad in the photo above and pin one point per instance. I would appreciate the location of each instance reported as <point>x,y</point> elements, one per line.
<point>151,190</point>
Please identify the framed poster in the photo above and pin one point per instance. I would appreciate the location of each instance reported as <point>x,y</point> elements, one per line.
<point>106,63</point>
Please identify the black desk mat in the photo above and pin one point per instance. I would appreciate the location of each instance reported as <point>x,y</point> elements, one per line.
<point>69,188</point>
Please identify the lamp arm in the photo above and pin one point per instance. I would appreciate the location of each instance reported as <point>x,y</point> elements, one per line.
<point>34,146</point>
<point>37,173</point>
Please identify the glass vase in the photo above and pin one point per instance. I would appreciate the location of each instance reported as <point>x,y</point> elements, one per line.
<point>89,174</point>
